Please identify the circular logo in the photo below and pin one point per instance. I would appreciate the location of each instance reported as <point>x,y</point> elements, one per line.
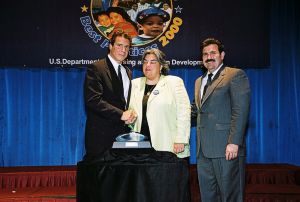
<point>143,20</point>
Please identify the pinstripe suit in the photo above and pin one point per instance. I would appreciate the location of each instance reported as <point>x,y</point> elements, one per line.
<point>222,119</point>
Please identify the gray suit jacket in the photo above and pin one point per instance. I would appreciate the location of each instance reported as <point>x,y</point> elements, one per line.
<point>223,113</point>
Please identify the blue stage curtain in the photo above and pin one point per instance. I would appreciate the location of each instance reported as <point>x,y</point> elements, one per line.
<point>273,134</point>
<point>42,114</point>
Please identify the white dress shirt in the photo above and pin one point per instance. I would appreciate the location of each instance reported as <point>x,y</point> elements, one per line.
<point>125,77</point>
<point>204,80</point>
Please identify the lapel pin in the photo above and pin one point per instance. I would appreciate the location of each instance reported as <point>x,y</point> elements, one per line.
<point>155,92</point>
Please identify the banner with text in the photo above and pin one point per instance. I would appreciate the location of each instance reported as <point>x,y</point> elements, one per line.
<point>76,33</point>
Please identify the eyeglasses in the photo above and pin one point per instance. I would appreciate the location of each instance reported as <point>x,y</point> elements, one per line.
<point>152,62</point>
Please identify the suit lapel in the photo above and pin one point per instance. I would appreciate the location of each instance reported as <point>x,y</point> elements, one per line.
<point>128,71</point>
<point>106,64</point>
<point>128,97</point>
<point>111,72</point>
<point>158,88</point>
<point>197,91</point>
<point>141,89</point>
<point>138,94</point>
<point>214,84</point>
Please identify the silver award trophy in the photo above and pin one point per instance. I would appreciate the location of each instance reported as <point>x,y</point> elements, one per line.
<point>131,140</point>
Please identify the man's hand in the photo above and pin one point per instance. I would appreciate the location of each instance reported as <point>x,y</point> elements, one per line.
<point>129,116</point>
<point>231,151</point>
<point>178,147</point>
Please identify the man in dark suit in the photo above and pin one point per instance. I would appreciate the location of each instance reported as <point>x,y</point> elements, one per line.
<point>106,93</point>
<point>222,97</point>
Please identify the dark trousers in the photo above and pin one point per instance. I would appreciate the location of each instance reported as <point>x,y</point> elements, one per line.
<point>221,180</point>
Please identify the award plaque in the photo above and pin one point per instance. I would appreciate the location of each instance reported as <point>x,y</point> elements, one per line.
<point>131,140</point>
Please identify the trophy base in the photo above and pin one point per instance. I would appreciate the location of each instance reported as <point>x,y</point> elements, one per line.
<point>131,144</point>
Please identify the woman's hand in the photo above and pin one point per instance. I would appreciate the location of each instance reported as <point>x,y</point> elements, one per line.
<point>178,148</point>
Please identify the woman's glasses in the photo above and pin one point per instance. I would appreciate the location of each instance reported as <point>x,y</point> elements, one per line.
<point>152,62</point>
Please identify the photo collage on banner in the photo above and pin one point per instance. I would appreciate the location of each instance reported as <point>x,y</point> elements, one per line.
<point>76,33</point>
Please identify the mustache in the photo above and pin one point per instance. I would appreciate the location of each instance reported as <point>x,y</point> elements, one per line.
<point>210,60</point>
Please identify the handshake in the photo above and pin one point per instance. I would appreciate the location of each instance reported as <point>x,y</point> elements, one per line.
<point>129,116</point>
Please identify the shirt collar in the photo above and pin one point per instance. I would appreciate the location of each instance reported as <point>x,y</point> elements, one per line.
<point>214,72</point>
<point>114,62</point>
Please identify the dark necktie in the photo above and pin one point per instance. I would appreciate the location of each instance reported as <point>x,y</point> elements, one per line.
<point>120,77</point>
<point>208,83</point>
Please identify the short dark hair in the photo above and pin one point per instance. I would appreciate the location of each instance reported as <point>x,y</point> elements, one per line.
<point>121,12</point>
<point>210,41</point>
<point>119,34</point>
<point>102,13</point>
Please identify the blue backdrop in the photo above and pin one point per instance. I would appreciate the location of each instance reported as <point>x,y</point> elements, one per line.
<point>42,113</point>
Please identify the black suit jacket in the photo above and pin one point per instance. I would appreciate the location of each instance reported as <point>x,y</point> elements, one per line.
<point>104,104</point>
